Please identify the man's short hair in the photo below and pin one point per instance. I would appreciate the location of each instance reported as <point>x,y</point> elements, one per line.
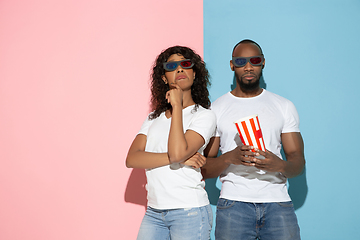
<point>247,41</point>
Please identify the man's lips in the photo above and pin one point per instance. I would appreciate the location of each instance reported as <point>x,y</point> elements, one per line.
<point>249,76</point>
<point>180,77</point>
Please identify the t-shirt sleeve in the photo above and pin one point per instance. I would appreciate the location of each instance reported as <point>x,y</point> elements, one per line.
<point>215,110</point>
<point>292,120</point>
<point>204,124</point>
<point>145,126</point>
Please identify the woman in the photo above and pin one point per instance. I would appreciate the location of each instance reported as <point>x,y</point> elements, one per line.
<point>167,146</point>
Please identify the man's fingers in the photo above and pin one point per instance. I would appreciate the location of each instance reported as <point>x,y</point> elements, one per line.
<point>248,164</point>
<point>250,153</point>
<point>246,147</point>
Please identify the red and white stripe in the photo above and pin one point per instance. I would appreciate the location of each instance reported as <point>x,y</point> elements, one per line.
<point>250,132</point>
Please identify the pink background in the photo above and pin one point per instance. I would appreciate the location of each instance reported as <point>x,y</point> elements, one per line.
<point>73,93</point>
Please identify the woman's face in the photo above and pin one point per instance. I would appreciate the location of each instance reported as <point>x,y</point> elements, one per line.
<point>184,78</point>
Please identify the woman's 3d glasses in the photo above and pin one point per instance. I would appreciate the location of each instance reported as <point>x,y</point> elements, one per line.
<point>171,66</point>
<point>241,61</point>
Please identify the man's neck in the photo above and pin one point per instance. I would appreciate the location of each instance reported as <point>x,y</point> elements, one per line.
<point>238,92</point>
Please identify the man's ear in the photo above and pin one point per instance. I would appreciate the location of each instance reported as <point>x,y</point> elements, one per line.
<point>232,66</point>
<point>263,64</point>
<point>164,79</point>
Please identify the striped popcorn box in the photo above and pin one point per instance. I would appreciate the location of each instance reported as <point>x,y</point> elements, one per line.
<point>250,132</point>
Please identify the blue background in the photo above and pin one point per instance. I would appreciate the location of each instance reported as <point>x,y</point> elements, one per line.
<point>312,57</point>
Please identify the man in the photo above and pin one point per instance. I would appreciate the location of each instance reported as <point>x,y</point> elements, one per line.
<point>254,202</point>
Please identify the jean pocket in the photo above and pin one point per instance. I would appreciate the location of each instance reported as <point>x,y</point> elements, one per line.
<point>286,204</point>
<point>225,203</point>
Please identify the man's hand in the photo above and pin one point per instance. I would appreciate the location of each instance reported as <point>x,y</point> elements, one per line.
<point>196,161</point>
<point>271,162</point>
<point>241,156</point>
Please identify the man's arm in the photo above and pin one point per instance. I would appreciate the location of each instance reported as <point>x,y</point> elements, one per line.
<point>293,145</point>
<point>294,151</point>
<point>216,165</point>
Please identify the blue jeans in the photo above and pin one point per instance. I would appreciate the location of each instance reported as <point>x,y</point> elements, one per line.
<point>176,224</point>
<point>265,221</point>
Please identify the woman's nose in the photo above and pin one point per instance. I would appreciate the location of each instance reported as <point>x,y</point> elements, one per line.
<point>179,69</point>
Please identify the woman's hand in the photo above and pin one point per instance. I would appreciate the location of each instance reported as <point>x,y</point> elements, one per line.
<point>175,95</point>
<point>196,161</point>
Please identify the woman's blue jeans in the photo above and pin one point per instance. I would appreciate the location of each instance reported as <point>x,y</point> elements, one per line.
<point>176,224</point>
<point>250,221</point>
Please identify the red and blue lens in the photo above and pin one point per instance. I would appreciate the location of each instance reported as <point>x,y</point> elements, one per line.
<point>171,66</point>
<point>242,61</point>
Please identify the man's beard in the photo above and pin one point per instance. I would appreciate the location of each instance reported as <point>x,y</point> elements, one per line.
<point>248,86</point>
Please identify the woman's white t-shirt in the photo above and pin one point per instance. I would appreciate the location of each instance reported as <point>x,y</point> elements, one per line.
<point>176,185</point>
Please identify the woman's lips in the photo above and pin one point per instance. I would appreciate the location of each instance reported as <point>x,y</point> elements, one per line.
<point>180,77</point>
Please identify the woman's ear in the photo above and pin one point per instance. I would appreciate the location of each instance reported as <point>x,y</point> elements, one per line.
<point>164,79</point>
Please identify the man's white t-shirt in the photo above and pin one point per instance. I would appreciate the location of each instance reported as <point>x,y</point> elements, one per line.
<point>176,185</point>
<point>276,115</point>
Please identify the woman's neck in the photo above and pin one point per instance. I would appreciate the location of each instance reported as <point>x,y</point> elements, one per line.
<point>187,99</point>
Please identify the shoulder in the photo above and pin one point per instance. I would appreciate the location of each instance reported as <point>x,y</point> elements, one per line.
<point>203,112</point>
<point>203,121</point>
<point>276,98</point>
<point>147,123</point>
<point>286,107</point>
<point>221,101</point>
<point>149,119</point>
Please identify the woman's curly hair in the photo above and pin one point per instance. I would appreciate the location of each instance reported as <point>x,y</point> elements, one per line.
<point>199,91</point>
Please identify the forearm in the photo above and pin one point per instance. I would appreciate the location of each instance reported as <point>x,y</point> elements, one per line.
<point>146,160</point>
<point>214,166</point>
<point>293,166</point>
<point>294,152</point>
<point>177,144</point>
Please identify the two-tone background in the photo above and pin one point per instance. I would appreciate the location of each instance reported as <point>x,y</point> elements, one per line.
<point>74,91</point>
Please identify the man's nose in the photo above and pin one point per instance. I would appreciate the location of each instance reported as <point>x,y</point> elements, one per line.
<point>248,67</point>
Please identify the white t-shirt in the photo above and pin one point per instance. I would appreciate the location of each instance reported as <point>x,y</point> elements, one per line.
<point>276,115</point>
<point>176,185</point>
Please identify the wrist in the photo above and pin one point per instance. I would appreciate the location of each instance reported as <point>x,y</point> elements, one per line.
<point>176,105</point>
<point>225,159</point>
<point>283,166</point>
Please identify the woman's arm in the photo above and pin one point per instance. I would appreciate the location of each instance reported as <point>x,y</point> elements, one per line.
<point>138,158</point>
<point>181,146</point>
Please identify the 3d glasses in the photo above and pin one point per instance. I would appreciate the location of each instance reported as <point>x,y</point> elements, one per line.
<point>171,66</point>
<point>241,61</point>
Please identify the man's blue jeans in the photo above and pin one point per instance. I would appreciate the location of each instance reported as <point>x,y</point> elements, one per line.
<point>176,224</point>
<point>250,221</point>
